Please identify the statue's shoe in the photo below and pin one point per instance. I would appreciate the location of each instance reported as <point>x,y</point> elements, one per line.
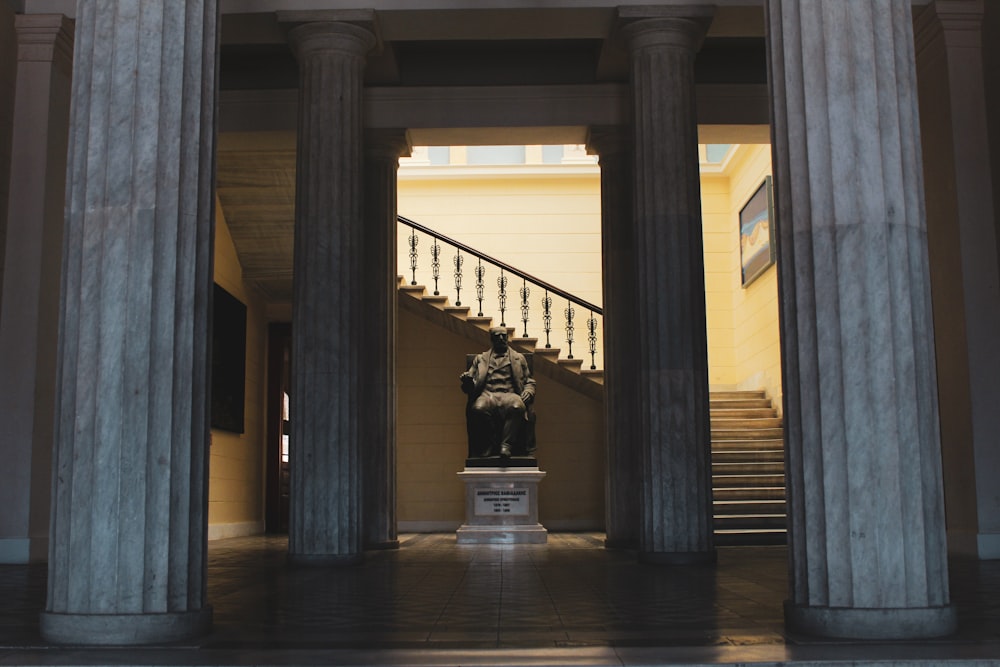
<point>505,451</point>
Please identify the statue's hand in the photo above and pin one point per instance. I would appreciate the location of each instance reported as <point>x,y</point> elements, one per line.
<point>527,397</point>
<point>467,382</point>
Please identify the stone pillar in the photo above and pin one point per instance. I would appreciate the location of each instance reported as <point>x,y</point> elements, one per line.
<point>965,276</point>
<point>328,335</point>
<point>29,308</point>
<point>672,362</point>
<point>383,148</point>
<point>621,399</point>
<point>127,559</point>
<point>866,531</point>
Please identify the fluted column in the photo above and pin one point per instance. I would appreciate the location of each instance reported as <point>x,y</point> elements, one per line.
<point>29,307</point>
<point>676,505</point>
<point>127,558</point>
<point>621,399</point>
<point>383,148</point>
<point>327,323</point>
<point>867,543</point>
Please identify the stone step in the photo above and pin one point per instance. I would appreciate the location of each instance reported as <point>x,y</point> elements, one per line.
<point>751,423</point>
<point>723,481</point>
<point>732,507</point>
<point>742,413</point>
<point>749,493</point>
<point>748,456</point>
<point>597,375</point>
<point>714,404</point>
<point>522,344</point>
<point>550,353</point>
<point>572,364</point>
<point>436,300</point>
<point>748,468</point>
<point>739,395</point>
<point>461,312</point>
<point>747,445</point>
<point>413,290</point>
<point>746,434</point>
<point>482,322</point>
<point>749,521</point>
<point>757,538</point>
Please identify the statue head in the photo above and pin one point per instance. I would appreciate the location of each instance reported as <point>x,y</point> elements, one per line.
<point>498,339</point>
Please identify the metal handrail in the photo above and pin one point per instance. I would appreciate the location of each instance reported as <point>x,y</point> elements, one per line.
<point>503,265</point>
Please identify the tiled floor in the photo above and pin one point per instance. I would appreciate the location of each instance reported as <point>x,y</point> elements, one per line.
<point>568,602</point>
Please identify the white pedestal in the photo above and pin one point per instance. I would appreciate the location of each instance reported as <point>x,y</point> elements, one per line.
<point>501,506</point>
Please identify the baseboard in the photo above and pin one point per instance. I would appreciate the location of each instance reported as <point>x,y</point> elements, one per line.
<point>221,531</point>
<point>984,546</point>
<point>427,526</point>
<point>989,546</point>
<point>574,525</point>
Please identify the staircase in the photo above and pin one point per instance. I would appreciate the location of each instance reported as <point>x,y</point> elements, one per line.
<point>748,470</point>
<point>549,361</point>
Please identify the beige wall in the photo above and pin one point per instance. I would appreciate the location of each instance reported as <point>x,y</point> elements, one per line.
<point>720,237</point>
<point>432,444</point>
<point>236,467</point>
<point>755,307</point>
<point>8,65</point>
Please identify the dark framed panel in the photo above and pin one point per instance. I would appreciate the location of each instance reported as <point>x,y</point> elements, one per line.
<point>229,354</point>
<point>757,248</point>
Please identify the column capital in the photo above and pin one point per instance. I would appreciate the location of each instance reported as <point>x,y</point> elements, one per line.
<point>607,140</point>
<point>45,38</point>
<point>959,22</point>
<point>347,32</point>
<point>388,143</point>
<point>674,26</point>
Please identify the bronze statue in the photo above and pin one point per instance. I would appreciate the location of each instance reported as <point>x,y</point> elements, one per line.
<point>501,392</point>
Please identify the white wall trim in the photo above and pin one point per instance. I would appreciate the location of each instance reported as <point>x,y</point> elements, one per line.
<point>221,531</point>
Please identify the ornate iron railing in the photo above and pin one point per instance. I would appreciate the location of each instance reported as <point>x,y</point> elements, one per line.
<point>533,296</point>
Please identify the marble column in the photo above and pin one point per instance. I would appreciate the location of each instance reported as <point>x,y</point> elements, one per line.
<point>621,400</point>
<point>29,308</point>
<point>128,535</point>
<point>867,544</point>
<point>965,275</point>
<point>383,148</point>
<point>328,336</point>
<point>672,362</point>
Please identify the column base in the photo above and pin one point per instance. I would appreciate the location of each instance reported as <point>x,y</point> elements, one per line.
<point>884,623</point>
<point>324,560</point>
<point>382,546</point>
<point>623,544</point>
<point>678,557</point>
<point>124,629</point>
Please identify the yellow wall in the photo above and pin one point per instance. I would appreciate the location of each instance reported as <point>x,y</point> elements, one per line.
<point>755,307</point>
<point>720,237</point>
<point>432,444</point>
<point>236,467</point>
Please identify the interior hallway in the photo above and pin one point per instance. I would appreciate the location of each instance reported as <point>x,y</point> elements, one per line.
<point>433,602</point>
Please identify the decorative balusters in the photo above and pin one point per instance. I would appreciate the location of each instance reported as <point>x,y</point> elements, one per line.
<point>547,317</point>
<point>458,260</point>
<point>413,255</point>
<point>502,297</point>
<point>570,312</point>
<point>483,270</point>
<point>592,339</point>
<point>525,292</point>
<point>480,284</point>
<point>435,263</point>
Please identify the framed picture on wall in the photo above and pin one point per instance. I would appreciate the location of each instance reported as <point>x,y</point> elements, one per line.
<point>757,249</point>
<point>229,350</point>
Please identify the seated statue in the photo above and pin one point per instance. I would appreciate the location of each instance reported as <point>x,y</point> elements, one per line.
<point>501,391</point>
